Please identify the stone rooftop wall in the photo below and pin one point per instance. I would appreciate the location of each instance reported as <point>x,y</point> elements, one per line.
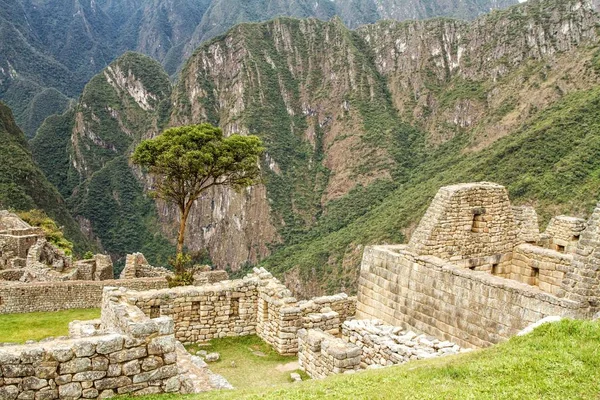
<point>563,233</point>
<point>527,223</point>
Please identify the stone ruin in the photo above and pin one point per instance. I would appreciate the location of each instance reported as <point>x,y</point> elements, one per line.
<point>26,256</point>
<point>476,271</point>
<point>136,266</point>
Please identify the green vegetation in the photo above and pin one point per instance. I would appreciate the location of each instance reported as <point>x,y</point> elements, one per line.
<point>248,362</point>
<point>122,216</point>
<point>54,234</point>
<point>18,328</point>
<point>24,187</point>
<point>189,160</point>
<point>550,162</point>
<point>103,189</point>
<point>556,361</point>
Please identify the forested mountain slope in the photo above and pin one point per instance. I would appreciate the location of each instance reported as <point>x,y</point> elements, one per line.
<point>50,49</point>
<point>24,187</point>
<point>361,128</point>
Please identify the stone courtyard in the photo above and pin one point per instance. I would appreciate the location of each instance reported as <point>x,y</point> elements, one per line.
<point>476,271</point>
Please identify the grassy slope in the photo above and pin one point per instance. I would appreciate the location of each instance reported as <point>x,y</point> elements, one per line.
<point>17,328</point>
<point>552,162</point>
<point>557,361</point>
<point>23,186</point>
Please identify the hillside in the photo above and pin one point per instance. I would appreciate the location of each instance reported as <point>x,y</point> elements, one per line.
<point>361,128</point>
<point>84,152</point>
<point>52,49</point>
<point>556,361</point>
<point>24,187</point>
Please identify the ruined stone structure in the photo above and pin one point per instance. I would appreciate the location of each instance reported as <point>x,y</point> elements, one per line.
<point>257,304</point>
<point>136,266</point>
<point>126,352</point>
<point>476,270</point>
<point>26,256</point>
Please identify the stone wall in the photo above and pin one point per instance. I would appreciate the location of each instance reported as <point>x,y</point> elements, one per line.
<point>527,223</point>
<point>281,316</point>
<point>257,304</point>
<point>540,267</point>
<point>136,356</point>
<point>55,296</point>
<point>563,233</point>
<point>204,312</point>
<point>136,266</point>
<point>430,295</point>
<point>321,354</point>
<point>468,224</point>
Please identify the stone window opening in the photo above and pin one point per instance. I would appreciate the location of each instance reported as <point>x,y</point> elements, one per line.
<point>472,268</point>
<point>196,306</point>
<point>495,269</point>
<point>560,248</point>
<point>535,274</point>
<point>154,311</point>
<point>479,223</point>
<point>234,307</point>
<point>265,311</point>
<point>575,238</point>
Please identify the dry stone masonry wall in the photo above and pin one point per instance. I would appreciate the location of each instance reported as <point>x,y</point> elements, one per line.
<point>322,354</point>
<point>474,272</point>
<point>128,353</point>
<point>257,304</point>
<point>56,296</point>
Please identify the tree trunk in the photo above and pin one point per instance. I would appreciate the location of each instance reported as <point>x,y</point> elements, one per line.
<point>185,211</point>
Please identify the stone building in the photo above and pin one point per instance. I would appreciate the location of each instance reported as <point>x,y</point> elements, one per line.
<point>476,271</point>
<point>26,256</point>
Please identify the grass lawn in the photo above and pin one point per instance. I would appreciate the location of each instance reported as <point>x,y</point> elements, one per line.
<point>248,362</point>
<point>557,361</point>
<point>18,328</point>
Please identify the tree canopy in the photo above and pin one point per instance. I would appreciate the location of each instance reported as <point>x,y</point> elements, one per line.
<point>188,160</point>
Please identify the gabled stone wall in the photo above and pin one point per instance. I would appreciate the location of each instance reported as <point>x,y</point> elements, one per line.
<point>468,224</point>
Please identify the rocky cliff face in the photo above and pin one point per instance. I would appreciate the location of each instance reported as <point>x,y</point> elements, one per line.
<point>347,117</point>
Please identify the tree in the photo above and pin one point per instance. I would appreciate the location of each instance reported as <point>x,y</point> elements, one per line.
<point>188,160</point>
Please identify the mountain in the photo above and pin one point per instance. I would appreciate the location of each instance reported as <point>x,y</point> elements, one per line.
<point>52,49</point>
<point>23,186</point>
<point>361,128</point>
<point>84,152</point>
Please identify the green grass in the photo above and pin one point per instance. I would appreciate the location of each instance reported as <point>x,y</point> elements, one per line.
<point>255,362</point>
<point>557,361</point>
<point>18,328</point>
